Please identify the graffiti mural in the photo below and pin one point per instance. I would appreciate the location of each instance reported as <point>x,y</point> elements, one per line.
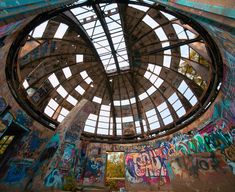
<point>23,119</point>
<point>95,170</point>
<point>147,167</point>
<point>54,179</point>
<point>30,145</point>
<point>17,171</point>
<point>68,157</point>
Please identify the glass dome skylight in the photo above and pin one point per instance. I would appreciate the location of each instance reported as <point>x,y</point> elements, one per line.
<point>148,71</point>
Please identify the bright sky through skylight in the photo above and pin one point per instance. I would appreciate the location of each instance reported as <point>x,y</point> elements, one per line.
<point>61,31</point>
<point>39,30</point>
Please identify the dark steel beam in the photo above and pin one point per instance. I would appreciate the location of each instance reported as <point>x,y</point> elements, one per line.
<point>100,15</point>
<point>174,46</point>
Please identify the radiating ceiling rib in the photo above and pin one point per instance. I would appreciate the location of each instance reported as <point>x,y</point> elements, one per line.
<point>97,122</point>
<point>86,90</point>
<point>150,31</point>
<point>53,91</point>
<point>87,39</point>
<point>132,81</point>
<point>127,92</point>
<point>54,71</point>
<point>101,18</point>
<point>174,46</point>
<point>155,107</point>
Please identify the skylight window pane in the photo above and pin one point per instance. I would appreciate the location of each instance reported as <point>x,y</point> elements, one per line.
<point>93,117</point>
<point>153,78</point>
<point>173,98</point>
<point>25,84</point>
<point>88,80</point>
<point>103,125</point>
<point>119,126</point>
<point>105,107</point>
<point>48,111</point>
<point>150,113</point>
<point>53,80</point>
<point>143,96</point>
<point>138,130</point>
<point>53,104</point>
<point>168,120</point>
<point>147,75</point>
<point>177,105</point>
<point>72,100</point>
<point>67,72</point>
<point>193,101</point>
<point>151,90</point>
<point>80,90</point>
<point>168,16</point>
<point>150,21</point>
<point>167,61</point>
<point>97,99</point>
<point>152,119</point>
<point>184,50</point>
<point>188,94</point>
<point>118,120</point>
<point>60,118</point>
<point>105,113</point>
<point>119,132</point>
<point>161,34</point>
<point>132,100</point>
<point>159,82</point>
<point>150,67</point>
<point>157,70</point>
<point>162,106</point>
<point>104,119</point>
<point>38,31</point>
<point>89,129</point>
<point>116,103</point>
<point>103,131</point>
<point>62,91</point>
<point>79,58</point>
<point>125,102</point>
<point>84,74</point>
<point>183,86</point>
<point>90,123</point>
<point>165,113</point>
<point>127,119</point>
<point>64,111</point>
<point>181,112</point>
<point>61,31</point>
<point>154,125</point>
<point>139,7</point>
<point>190,34</point>
<point>180,31</point>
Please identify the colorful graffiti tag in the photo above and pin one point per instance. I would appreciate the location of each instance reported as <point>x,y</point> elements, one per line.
<point>146,167</point>
<point>95,170</point>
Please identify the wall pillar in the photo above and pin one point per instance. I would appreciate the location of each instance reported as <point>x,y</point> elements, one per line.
<point>58,162</point>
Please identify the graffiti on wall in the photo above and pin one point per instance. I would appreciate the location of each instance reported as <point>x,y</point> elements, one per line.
<point>30,145</point>
<point>147,167</point>
<point>208,169</point>
<point>18,170</point>
<point>95,169</point>
<point>23,119</point>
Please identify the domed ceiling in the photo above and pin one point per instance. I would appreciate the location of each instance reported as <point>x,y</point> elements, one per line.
<point>147,70</point>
